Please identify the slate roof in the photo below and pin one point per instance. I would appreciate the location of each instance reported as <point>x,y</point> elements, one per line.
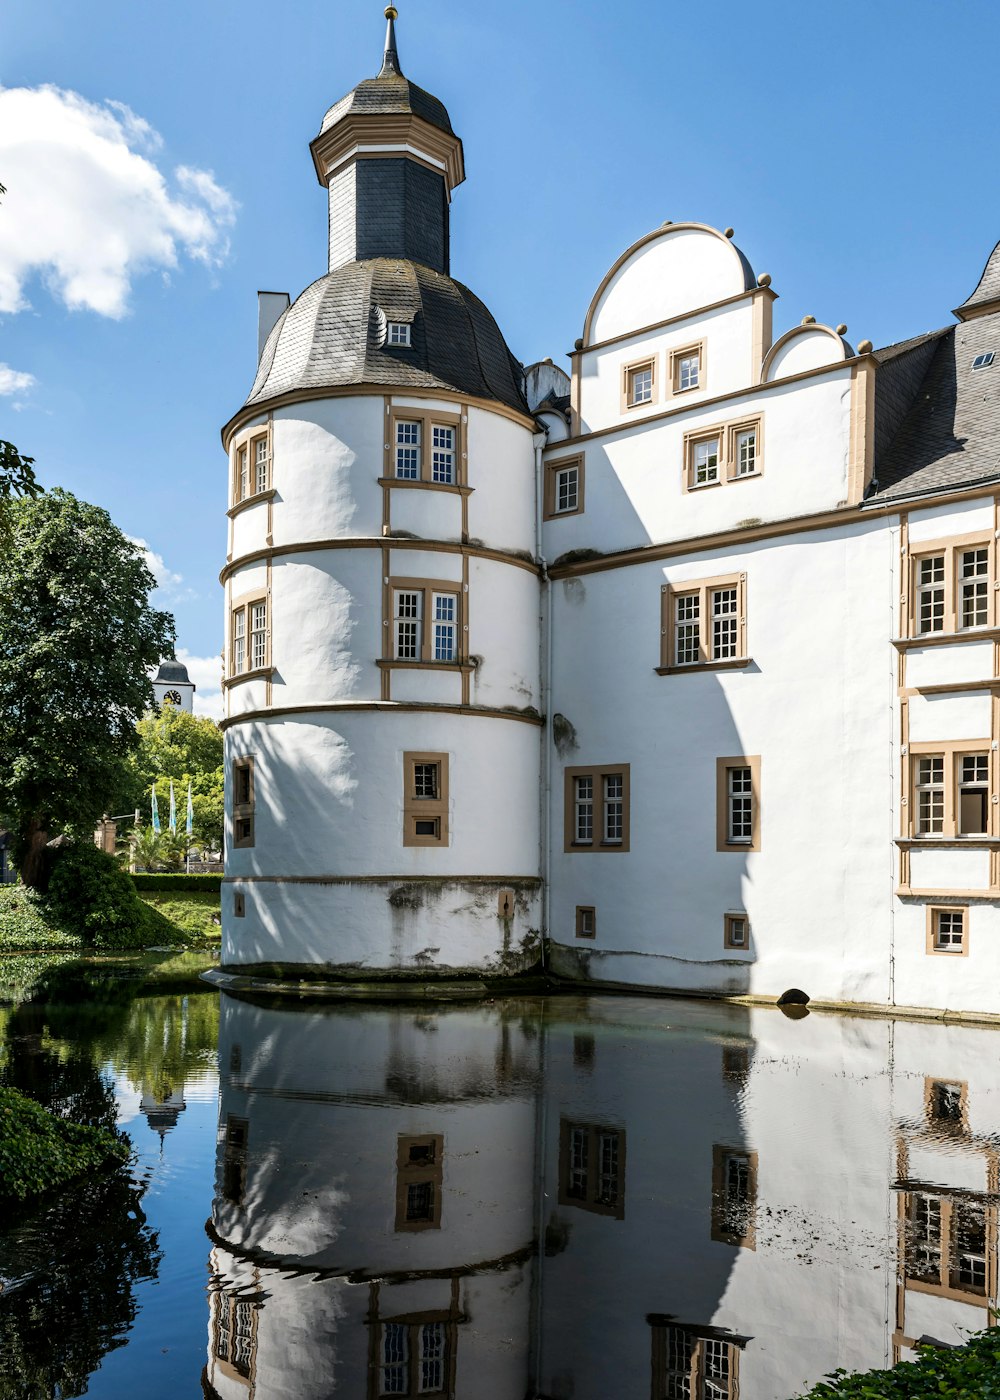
<point>937,421</point>
<point>173,671</point>
<point>390,93</point>
<point>331,337</point>
<point>988,287</point>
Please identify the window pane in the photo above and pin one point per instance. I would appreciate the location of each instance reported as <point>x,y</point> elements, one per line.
<point>576,1185</point>
<point>243,490</point>
<point>687,371</point>
<point>746,452</point>
<point>583,789</point>
<point>949,925</point>
<point>567,489</point>
<point>706,461</point>
<point>408,451</point>
<point>922,1246</point>
<point>930,594</point>
<point>395,1359</point>
<point>258,635</point>
<point>431,1357</point>
<point>409,610</point>
<point>725,624</point>
<point>641,385</point>
<point>445,626</point>
<point>930,795</point>
<point>973,575</point>
<point>425,780</point>
<point>687,631</point>
<point>613,808</point>
<point>740,794</point>
<point>260,465</point>
<point>736,1203</point>
<point>607,1162</point>
<point>443,455</point>
<point>239,640</point>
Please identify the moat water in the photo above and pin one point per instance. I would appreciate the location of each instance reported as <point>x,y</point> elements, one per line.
<point>573,1198</point>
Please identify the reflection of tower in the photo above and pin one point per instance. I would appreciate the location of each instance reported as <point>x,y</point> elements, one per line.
<point>162,1106</point>
<point>373,1222</point>
<point>173,686</point>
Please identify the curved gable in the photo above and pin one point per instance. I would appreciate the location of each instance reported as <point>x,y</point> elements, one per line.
<point>804,348</point>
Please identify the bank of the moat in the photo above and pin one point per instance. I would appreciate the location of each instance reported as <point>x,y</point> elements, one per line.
<point>536,1196</point>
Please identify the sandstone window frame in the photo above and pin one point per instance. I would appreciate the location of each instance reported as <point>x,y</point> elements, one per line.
<point>941,932</point>
<point>551,490</point>
<point>736,932</point>
<point>586,921</point>
<point>705,591</point>
<point>425,808</point>
<point>428,420</point>
<point>248,641</point>
<point>726,468</point>
<point>428,590</point>
<point>595,1181</point>
<point>234,1345</point>
<point>415,1172</point>
<point>951,586</point>
<point>251,473</point>
<point>943,1281</point>
<point>721,1157</point>
<point>723,826</point>
<point>239,904</point>
<point>410,1367</point>
<point>950,752</point>
<point>675,358</point>
<point>244,801</point>
<point>631,371</point>
<point>685,1361</point>
<point>600,804</point>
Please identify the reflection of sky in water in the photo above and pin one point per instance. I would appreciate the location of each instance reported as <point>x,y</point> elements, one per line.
<point>579,1197</point>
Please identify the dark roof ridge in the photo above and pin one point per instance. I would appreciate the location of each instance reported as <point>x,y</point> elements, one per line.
<point>900,347</point>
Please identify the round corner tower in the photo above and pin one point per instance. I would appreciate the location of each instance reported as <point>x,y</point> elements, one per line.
<point>382,592</point>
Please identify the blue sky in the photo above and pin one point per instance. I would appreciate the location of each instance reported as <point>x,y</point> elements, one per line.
<point>852,147</point>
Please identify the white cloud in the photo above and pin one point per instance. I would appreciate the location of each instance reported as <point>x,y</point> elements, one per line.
<point>88,210</point>
<point>166,579</point>
<point>206,672</point>
<point>15,381</point>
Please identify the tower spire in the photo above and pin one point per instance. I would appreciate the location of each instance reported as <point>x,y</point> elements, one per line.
<point>390,59</point>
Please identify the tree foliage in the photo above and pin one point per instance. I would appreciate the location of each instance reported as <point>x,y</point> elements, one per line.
<point>174,744</point>
<point>77,639</point>
<point>971,1372</point>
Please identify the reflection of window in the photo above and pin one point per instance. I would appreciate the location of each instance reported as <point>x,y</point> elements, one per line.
<point>416,1356</point>
<point>945,1103</point>
<point>425,799</point>
<point>734,1196</point>
<point>592,1168</point>
<point>235,1339</point>
<point>597,809</point>
<point>583,1051</point>
<point>234,1160</point>
<point>418,1184</point>
<point>694,1363</point>
<point>735,1061</point>
<point>945,1243</point>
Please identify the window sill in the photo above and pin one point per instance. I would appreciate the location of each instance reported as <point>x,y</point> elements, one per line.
<point>939,639</point>
<point>264,672</point>
<point>562,514</point>
<point>746,476</point>
<point>676,392</point>
<point>736,663</point>
<point>704,485</point>
<point>906,843</point>
<point>249,501</point>
<point>386,664</point>
<point>452,488</point>
<point>575,847</point>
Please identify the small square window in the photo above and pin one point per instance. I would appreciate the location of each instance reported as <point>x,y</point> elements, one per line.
<point>687,368</point>
<point>398,333</point>
<point>563,487</point>
<point>948,930</point>
<point>639,387</point>
<point>984,360</point>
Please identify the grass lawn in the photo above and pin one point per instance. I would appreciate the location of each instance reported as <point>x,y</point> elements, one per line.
<point>192,913</point>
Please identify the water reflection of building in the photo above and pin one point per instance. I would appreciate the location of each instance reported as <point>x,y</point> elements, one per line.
<point>592,1197</point>
<point>374,1217</point>
<point>162,1106</point>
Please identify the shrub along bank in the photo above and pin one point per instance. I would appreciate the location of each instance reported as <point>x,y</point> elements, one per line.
<point>971,1372</point>
<point>39,1151</point>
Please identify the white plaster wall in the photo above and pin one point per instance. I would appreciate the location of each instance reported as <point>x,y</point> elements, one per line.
<point>820,685</point>
<point>505,636</point>
<point>434,515</point>
<point>327,458</point>
<point>939,718</point>
<point>805,350</point>
<point>949,868</point>
<point>727,366</point>
<point>326,626</point>
<point>962,518</point>
<point>942,665</point>
<point>634,479</point>
<point>502,473</point>
<point>250,529</point>
<point>679,271</point>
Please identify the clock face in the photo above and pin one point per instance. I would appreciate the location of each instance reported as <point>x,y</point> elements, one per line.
<point>172,697</point>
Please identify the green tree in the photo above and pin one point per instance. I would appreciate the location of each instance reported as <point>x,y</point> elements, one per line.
<point>17,477</point>
<point>186,748</point>
<point>77,639</point>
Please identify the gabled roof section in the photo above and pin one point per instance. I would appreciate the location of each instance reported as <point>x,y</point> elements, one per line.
<point>937,420</point>
<point>986,297</point>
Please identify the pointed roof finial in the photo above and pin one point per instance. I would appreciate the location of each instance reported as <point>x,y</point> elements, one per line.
<point>390,59</point>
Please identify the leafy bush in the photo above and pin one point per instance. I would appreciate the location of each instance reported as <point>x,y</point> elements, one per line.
<point>194,915</point>
<point>971,1372</point>
<point>208,884</point>
<point>39,1150</point>
<point>27,923</point>
<point>89,895</point>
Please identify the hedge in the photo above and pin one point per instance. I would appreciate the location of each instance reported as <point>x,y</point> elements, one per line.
<point>970,1372</point>
<point>207,884</point>
<point>39,1151</point>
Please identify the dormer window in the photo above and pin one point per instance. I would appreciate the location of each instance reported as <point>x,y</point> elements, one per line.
<point>983,361</point>
<point>398,333</point>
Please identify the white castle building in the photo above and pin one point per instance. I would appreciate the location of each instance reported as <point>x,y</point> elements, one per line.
<point>719,605</point>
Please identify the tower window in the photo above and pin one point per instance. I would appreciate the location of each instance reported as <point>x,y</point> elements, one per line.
<point>408,436</point>
<point>984,360</point>
<point>687,368</point>
<point>398,333</point>
<point>243,802</point>
<point>425,448</point>
<point>419,1162</point>
<point>252,465</point>
<point>249,647</point>
<point>425,799</point>
<point>427,621</point>
<point>639,385</point>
